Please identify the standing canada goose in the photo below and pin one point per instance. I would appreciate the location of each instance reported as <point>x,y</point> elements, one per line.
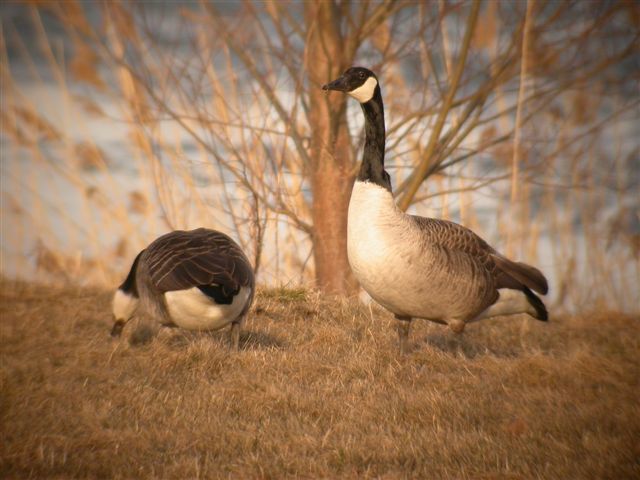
<point>419,267</point>
<point>198,280</point>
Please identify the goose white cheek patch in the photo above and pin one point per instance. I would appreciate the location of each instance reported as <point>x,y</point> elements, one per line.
<point>124,305</point>
<point>364,92</point>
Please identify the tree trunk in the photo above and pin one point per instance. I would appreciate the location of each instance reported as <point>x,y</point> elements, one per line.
<point>331,171</point>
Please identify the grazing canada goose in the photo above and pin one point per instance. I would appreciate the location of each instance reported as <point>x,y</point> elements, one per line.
<point>198,280</point>
<point>419,267</point>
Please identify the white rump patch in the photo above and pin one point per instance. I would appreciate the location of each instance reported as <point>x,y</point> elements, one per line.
<point>511,302</point>
<point>193,310</point>
<point>364,92</point>
<point>124,305</point>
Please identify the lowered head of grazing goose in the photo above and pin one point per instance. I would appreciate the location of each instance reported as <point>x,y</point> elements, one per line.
<point>420,267</point>
<point>197,280</point>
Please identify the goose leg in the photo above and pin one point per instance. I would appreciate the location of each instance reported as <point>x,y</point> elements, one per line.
<point>456,325</point>
<point>235,334</point>
<point>403,332</point>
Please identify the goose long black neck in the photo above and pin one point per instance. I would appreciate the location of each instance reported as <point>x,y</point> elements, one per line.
<point>129,285</point>
<point>372,168</point>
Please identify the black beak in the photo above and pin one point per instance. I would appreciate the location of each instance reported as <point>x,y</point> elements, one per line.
<point>338,84</point>
<point>117,328</point>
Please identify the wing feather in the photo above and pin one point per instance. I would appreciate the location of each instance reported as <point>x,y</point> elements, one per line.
<point>185,259</point>
<point>456,239</point>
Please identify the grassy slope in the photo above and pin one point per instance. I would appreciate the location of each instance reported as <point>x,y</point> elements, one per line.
<point>318,390</point>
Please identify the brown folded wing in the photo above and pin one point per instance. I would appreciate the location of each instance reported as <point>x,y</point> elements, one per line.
<point>184,259</point>
<point>456,239</point>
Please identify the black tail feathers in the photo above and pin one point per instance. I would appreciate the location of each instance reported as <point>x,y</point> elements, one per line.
<point>514,274</point>
<point>536,303</point>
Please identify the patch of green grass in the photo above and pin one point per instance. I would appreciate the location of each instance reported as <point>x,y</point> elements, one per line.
<point>283,294</point>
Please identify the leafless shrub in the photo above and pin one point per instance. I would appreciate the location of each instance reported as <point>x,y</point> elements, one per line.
<point>518,103</point>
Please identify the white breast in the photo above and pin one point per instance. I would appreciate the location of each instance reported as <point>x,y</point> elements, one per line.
<point>193,310</point>
<point>373,216</point>
<point>382,247</point>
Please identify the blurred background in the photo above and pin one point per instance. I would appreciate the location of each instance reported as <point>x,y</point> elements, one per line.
<point>121,121</point>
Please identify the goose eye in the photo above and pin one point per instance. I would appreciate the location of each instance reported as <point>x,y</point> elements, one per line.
<point>361,74</point>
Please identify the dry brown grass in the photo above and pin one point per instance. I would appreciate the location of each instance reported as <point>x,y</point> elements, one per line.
<point>317,390</point>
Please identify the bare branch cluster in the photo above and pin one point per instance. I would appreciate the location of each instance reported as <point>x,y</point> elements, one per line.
<point>221,104</point>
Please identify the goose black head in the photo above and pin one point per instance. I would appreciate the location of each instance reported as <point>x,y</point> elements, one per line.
<point>125,300</point>
<point>124,306</point>
<point>359,82</point>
